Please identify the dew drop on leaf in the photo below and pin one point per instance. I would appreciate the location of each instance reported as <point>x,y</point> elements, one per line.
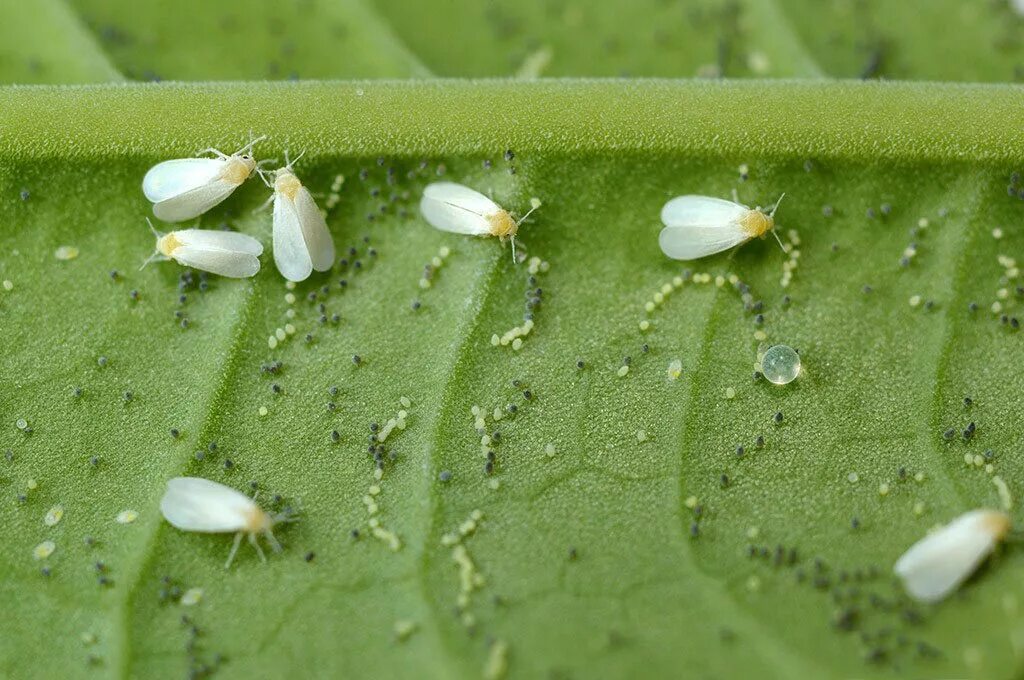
<point>780,364</point>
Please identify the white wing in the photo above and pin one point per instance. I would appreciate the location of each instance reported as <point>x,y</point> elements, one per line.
<point>457,208</point>
<point>196,504</point>
<point>173,178</point>
<point>314,231</point>
<point>686,211</point>
<point>230,263</point>
<point>692,242</point>
<point>209,239</point>
<point>195,202</point>
<point>934,566</point>
<point>290,252</point>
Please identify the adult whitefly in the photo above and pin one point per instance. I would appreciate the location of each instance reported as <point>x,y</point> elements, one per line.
<point>302,241</point>
<point>226,253</point>
<point>185,188</point>
<point>205,506</point>
<point>937,564</point>
<point>458,209</point>
<point>698,226</point>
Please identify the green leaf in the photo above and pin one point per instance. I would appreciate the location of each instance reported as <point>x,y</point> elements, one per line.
<point>261,39</point>
<point>43,42</point>
<point>586,555</point>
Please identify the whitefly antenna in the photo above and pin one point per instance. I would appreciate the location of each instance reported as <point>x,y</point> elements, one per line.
<point>772,214</point>
<point>289,163</point>
<point>156,251</point>
<point>534,204</point>
<point>253,141</point>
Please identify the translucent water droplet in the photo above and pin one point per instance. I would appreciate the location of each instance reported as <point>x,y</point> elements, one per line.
<point>780,364</point>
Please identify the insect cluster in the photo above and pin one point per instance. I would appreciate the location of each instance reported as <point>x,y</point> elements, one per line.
<point>694,227</point>
<point>185,188</point>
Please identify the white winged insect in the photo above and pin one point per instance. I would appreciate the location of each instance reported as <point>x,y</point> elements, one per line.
<point>226,253</point>
<point>697,226</point>
<point>185,188</point>
<point>204,506</point>
<point>302,241</point>
<point>457,208</point>
<point>938,563</point>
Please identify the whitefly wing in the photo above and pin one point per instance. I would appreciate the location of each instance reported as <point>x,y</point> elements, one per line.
<point>698,226</point>
<point>457,208</point>
<point>314,231</point>
<point>291,255</point>
<point>229,263</point>
<point>683,211</point>
<point>195,202</point>
<point>209,239</point>
<point>173,178</point>
<point>937,564</point>
<point>691,243</point>
<point>196,504</point>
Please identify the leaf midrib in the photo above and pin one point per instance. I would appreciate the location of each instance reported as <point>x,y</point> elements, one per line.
<point>910,123</point>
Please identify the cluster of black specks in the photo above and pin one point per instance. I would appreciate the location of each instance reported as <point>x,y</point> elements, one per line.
<point>495,437</point>
<point>391,198</point>
<point>509,157</point>
<point>200,664</point>
<point>1014,188</point>
<point>533,295</point>
<point>170,591</point>
<point>863,602</point>
<point>211,453</point>
<point>967,433</point>
<point>699,514</point>
<point>189,281</point>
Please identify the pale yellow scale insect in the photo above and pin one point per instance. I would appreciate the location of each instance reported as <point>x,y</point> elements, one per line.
<point>698,226</point>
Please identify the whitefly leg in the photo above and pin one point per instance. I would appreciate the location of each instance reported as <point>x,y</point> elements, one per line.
<point>256,544</point>
<point>234,549</point>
